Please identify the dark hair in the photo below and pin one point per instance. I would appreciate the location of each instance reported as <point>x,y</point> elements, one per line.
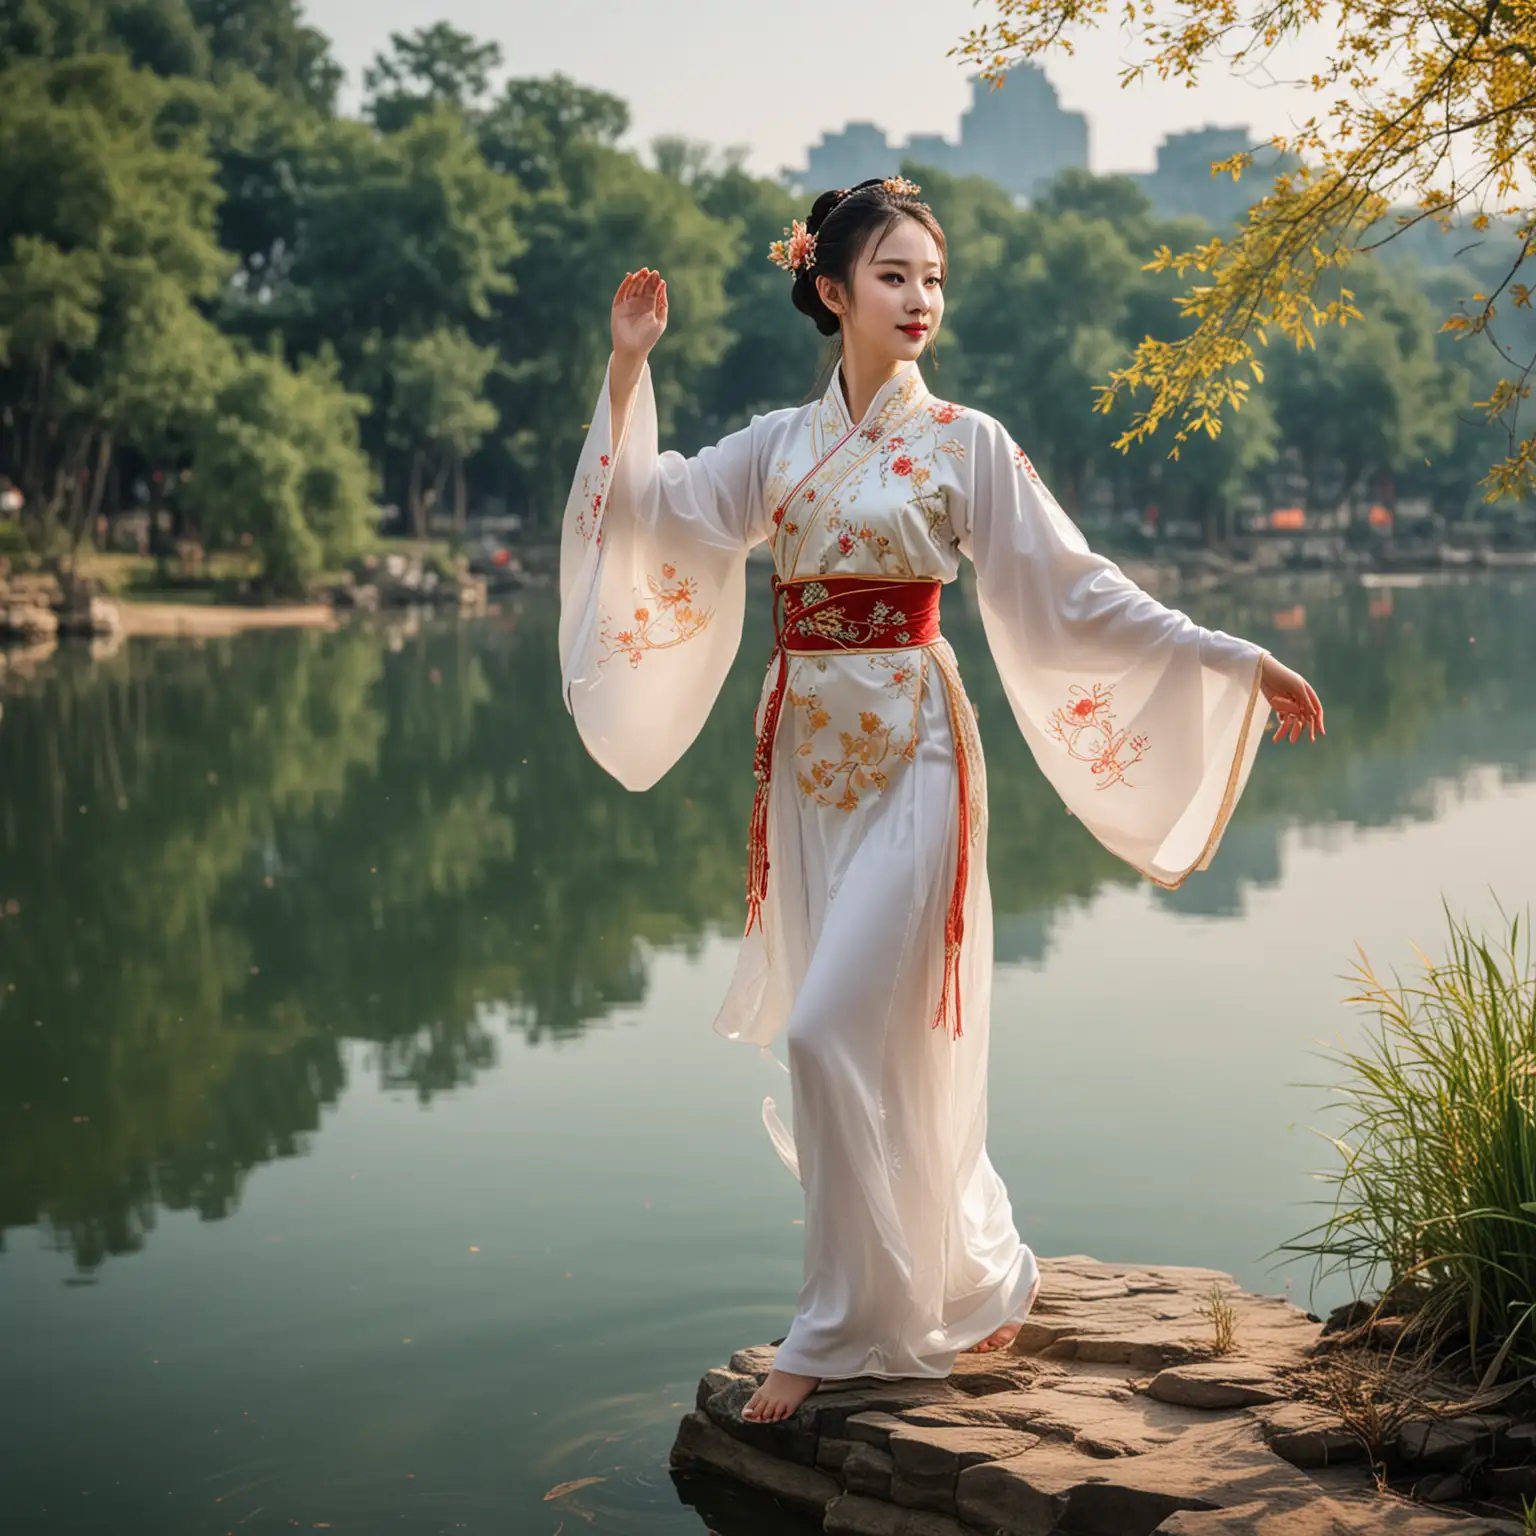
<point>843,223</point>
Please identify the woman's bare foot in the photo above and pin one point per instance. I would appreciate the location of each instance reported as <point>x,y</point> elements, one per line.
<point>1001,1339</point>
<point>778,1397</point>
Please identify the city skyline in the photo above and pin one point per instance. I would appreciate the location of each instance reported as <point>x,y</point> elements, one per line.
<point>774,81</point>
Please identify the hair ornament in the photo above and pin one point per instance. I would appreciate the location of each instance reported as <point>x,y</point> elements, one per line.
<point>796,252</point>
<point>899,186</point>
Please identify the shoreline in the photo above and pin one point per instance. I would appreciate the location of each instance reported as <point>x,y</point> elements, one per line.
<point>1116,1413</point>
<point>209,620</point>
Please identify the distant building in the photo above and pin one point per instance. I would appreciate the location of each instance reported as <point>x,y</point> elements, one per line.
<point>853,154</point>
<point>930,149</point>
<point>1183,184</point>
<point>1019,136</point>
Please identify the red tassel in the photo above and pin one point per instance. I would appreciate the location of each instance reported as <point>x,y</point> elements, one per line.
<point>762,767</point>
<point>948,1016</point>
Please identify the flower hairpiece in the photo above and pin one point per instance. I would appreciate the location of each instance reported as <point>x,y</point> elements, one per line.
<point>899,186</point>
<point>796,252</point>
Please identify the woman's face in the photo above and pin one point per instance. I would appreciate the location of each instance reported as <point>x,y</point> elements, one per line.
<point>898,297</point>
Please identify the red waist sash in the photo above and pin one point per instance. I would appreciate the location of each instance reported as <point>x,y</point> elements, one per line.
<point>853,614</point>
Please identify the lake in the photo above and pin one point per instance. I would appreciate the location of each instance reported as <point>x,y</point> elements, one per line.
<point>369,1162</point>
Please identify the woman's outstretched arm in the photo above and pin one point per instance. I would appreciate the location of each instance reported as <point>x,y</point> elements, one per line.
<point>639,318</point>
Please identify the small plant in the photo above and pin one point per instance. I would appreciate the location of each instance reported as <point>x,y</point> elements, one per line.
<point>1373,1396</point>
<point>1222,1317</point>
<point>1435,1195</point>
<point>1528,1515</point>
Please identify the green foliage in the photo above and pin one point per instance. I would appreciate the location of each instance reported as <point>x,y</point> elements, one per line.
<point>277,458</point>
<point>554,331</point>
<point>772,354</point>
<point>174,188</point>
<point>1369,395</point>
<point>107,234</point>
<point>1436,1184</point>
<point>439,414</point>
<point>432,66</point>
<point>535,126</point>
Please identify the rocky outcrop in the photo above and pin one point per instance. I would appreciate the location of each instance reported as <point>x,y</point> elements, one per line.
<point>1113,1415</point>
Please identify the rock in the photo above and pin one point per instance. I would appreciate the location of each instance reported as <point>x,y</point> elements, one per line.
<point>1446,1443</point>
<point>868,1470</point>
<point>1508,1482</point>
<point>1150,1316</point>
<point>854,1515</point>
<point>1105,1423</point>
<point>929,1459</point>
<point>28,622</point>
<point>999,1372</point>
<point>921,1450</point>
<point>941,1415</point>
<point>793,1438</point>
<point>717,1380</point>
<point>363,596</point>
<point>700,1442</point>
<point>1119,1425</point>
<point>91,617</point>
<point>1317,1515</point>
<point>832,1453</point>
<point>1216,1384</point>
<point>1307,1435</point>
<point>757,1361</point>
<point>830,1411</point>
<point>1052,1486</point>
<point>1442,1488</point>
<point>873,1428</point>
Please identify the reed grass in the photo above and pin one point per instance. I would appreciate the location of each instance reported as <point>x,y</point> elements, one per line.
<point>1222,1316</point>
<point>1434,1195</point>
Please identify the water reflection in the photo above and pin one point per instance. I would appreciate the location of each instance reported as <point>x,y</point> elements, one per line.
<point>222,861</point>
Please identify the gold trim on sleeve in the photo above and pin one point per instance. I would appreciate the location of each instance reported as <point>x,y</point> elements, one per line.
<point>1229,795</point>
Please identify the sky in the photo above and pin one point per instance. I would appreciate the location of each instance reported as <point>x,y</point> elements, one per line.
<point>772,77</point>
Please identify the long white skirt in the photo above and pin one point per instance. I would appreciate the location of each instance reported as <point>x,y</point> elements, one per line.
<point>911,1253</point>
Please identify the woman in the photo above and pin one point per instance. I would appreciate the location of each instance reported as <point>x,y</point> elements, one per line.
<point>869,934</point>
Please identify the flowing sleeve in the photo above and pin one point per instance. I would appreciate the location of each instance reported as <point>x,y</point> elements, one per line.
<point>1146,724</point>
<point>653,554</point>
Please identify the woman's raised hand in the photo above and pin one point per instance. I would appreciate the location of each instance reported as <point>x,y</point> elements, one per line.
<point>639,314</point>
<point>1291,697</point>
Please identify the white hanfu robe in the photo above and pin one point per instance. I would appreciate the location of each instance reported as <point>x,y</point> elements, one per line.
<point>1145,724</point>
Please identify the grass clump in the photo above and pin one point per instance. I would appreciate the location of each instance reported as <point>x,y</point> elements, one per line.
<point>1435,1192</point>
<point>1222,1316</point>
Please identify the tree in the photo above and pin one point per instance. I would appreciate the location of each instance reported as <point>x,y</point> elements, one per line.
<point>106,249</point>
<point>1038,327</point>
<point>607,214</point>
<point>397,234</point>
<point>270,40</point>
<point>532,130</point>
<point>432,66</point>
<point>438,414</point>
<point>771,357</point>
<point>1368,397</point>
<point>199,39</point>
<point>276,457</point>
<point>1412,87</point>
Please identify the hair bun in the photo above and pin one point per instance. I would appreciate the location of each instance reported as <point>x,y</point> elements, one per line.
<point>805,296</point>
<point>829,200</point>
<point>820,209</point>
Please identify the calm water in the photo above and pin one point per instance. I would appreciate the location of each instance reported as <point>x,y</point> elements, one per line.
<point>367,1161</point>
